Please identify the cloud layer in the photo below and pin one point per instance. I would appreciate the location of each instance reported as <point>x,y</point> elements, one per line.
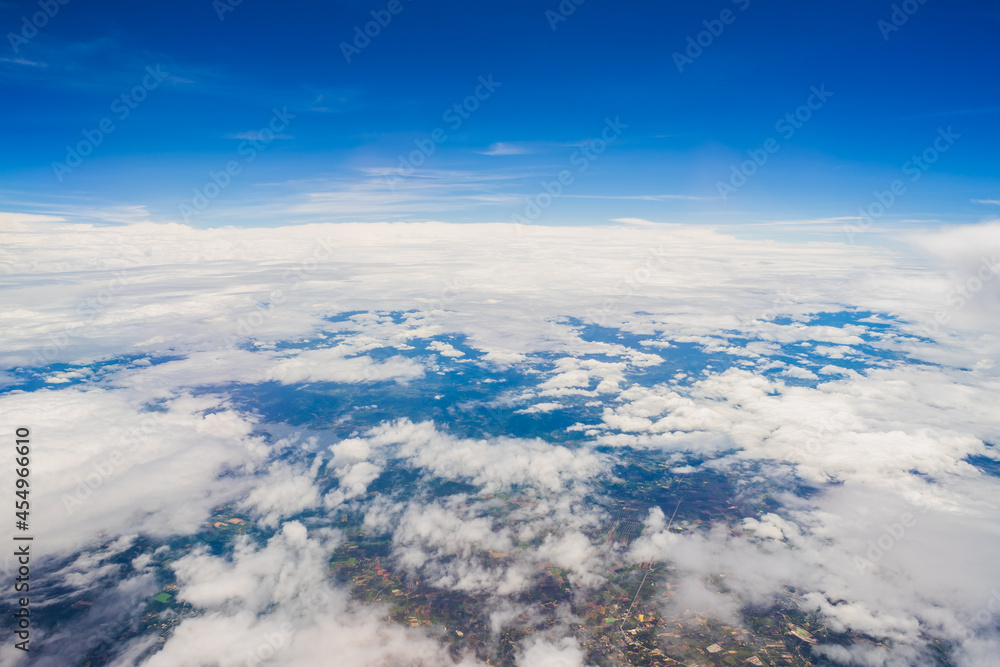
<point>131,352</point>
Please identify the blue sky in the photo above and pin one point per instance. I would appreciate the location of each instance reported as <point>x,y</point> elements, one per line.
<point>889,91</point>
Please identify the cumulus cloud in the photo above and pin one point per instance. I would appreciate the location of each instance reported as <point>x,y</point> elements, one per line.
<point>272,605</point>
<point>439,541</point>
<point>574,551</point>
<point>445,349</point>
<point>284,491</point>
<point>494,465</point>
<point>112,464</point>
<point>329,365</point>
<point>539,652</point>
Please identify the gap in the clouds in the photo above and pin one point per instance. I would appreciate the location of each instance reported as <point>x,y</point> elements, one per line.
<point>344,316</point>
<point>441,488</point>
<point>109,601</point>
<point>784,619</point>
<point>473,400</point>
<point>348,410</point>
<point>362,317</point>
<point>680,359</point>
<point>597,333</point>
<point>396,478</point>
<point>364,564</point>
<point>93,602</point>
<point>696,497</point>
<point>805,363</point>
<point>990,466</point>
<point>64,375</point>
<point>423,592</point>
<point>700,496</point>
<point>875,323</point>
<point>824,359</point>
<point>841,318</point>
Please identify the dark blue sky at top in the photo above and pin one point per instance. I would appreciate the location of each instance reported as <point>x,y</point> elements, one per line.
<point>354,120</point>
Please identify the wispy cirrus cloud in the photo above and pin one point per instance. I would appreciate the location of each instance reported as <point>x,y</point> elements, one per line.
<point>528,147</point>
<point>10,220</point>
<point>506,148</point>
<point>22,61</point>
<point>368,197</point>
<point>643,197</point>
<point>836,222</point>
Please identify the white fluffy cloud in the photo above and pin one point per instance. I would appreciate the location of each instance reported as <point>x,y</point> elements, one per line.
<point>494,464</point>
<point>105,463</point>
<point>539,652</point>
<point>272,606</point>
<point>329,365</point>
